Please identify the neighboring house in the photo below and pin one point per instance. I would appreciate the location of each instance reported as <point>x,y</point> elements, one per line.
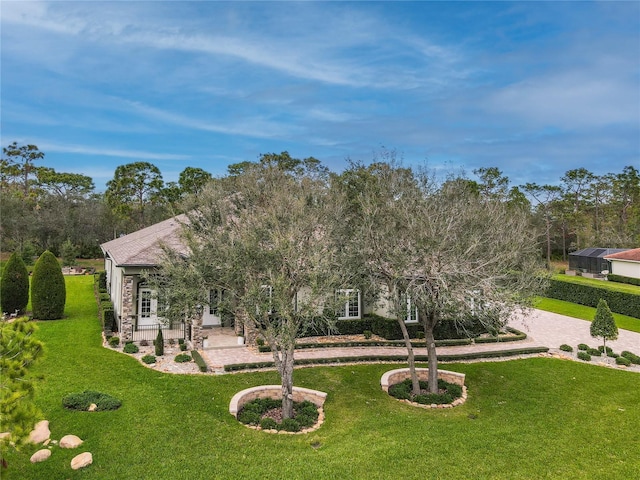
<point>136,306</point>
<point>591,261</point>
<point>626,264</point>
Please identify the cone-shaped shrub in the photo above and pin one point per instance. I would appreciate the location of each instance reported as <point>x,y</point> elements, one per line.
<point>159,344</point>
<point>14,289</point>
<point>48,292</point>
<point>604,325</point>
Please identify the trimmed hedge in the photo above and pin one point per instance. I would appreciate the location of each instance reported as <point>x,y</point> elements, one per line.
<point>82,401</point>
<point>622,279</point>
<point>619,302</point>
<point>197,358</point>
<point>391,358</point>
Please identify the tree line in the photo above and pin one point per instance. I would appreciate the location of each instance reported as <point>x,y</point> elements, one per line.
<point>43,209</point>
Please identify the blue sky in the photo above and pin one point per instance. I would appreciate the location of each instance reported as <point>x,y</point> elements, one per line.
<point>534,88</point>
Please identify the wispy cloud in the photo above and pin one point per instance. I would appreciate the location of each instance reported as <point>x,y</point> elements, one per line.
<point>108,152</point>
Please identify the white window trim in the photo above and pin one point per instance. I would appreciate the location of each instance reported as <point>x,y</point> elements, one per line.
<point>345,308</point>
<point>409,318</point>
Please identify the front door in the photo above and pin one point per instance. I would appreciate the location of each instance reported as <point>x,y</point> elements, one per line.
<point>212,316</point>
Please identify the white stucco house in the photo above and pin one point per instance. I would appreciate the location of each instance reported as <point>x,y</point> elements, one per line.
<point>626,264</point>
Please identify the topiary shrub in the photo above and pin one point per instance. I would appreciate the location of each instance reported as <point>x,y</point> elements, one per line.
<point>594,352</point>
<point>583,346</point>
<point>82,401</point>
<point>114,341</point>
<point>183,347</point>
<point>130,348</point>
<point>14,289</point>
<point>584,356</point>
<point>48,291</point>
<point>182,358</point>
<point>149,359</point>
<point>623,361</point>
<point>202,365</point>
<point>566,348</point>
<point>159,344</point>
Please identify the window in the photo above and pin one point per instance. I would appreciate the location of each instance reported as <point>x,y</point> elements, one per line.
<point>145,303</point>
<point>266,299</point>
<point>351,307</point>
<point>215,298</point>
<point>411,314</point>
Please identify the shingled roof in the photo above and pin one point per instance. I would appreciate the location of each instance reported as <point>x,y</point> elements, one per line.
<point>632,255</point>
<point>142,248</point>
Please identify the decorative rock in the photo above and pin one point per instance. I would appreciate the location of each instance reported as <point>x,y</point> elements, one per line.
<point>92,407</point>
<point>81,461</point>
<point>40,455</point>
<point>70,441</point>
<point>40,433</point>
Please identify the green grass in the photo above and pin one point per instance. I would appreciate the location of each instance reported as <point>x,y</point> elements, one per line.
<point>585,313</point>
<point>535,418</point>
<point>615,286</point>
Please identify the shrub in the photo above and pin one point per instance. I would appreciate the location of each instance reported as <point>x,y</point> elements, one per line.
<point>130,348</point>
<point>594,352</point>
<point>109,318</point>
<point>612,355</point>
<point>604,325</point>
<point>14,289</point>
<point>260,342</point>
<point>159,344</point>
<point>202,365</point>
<point>248,417</point>
<point>430,398</point>
<point>114,341</point>
<point>290,425</point>
<point>631,356</point>
<point>171,342</point>
<point>48,291</point>
<point>268,423</point>
<point>420,335</point>
<point>69,253</point>
<point>566,348</point>
<point>181,341</point>
<point>402,391</point>
<point>622,279</point>
<point>82,401</point>
<point>183,347</point>
<point>149,359</point>
<point>620,302</point>
<point>102,280</point>
<point>623,361</point>
<point>104,297</point>
<point>182,358</point>
<point>367,334</point>
<point>584,356</point>
<point>583,346</point>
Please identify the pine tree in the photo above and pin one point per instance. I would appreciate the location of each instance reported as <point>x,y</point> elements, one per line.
<point>604,325</point>
<point>14,289</point>
<point>48,291</point>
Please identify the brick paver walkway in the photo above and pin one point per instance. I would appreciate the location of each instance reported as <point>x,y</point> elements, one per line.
<point>542,328</point>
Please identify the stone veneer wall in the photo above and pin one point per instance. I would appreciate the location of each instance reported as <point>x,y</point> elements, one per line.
<point>128,311</point>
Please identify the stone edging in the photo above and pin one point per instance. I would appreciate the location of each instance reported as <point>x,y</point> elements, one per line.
<point>275,391</point>
<point>396,376</point>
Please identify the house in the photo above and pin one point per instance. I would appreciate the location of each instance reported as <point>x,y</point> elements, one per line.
<point>591,261</point>
<point>136,306</point>
<point>626,263</point>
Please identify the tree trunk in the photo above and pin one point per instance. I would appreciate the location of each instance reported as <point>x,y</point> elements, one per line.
<point>429,325</point>
<point>285,369</point>
<point>395,295</point>
<point>415,384</point>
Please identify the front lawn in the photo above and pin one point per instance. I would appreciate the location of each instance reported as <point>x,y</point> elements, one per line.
<point>585,313</point>
<point>535,418</point>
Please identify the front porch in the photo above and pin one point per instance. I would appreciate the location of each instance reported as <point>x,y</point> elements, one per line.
<point>217,337</point>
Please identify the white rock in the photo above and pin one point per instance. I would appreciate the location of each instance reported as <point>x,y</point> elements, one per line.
<point>70,441</point>
<point>92,407</point>
<point>40,433</point>
<point>40,455</point>
<point>81,461</point>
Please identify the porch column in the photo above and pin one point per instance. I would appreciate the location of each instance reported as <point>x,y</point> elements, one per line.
<point>126,328</point>
<point>127,320</point>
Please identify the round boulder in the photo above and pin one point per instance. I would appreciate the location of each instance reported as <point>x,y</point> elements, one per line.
<point>40,455</point>
<point>70,441</point>
<point>81,461</point>
<point>40,433</point>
